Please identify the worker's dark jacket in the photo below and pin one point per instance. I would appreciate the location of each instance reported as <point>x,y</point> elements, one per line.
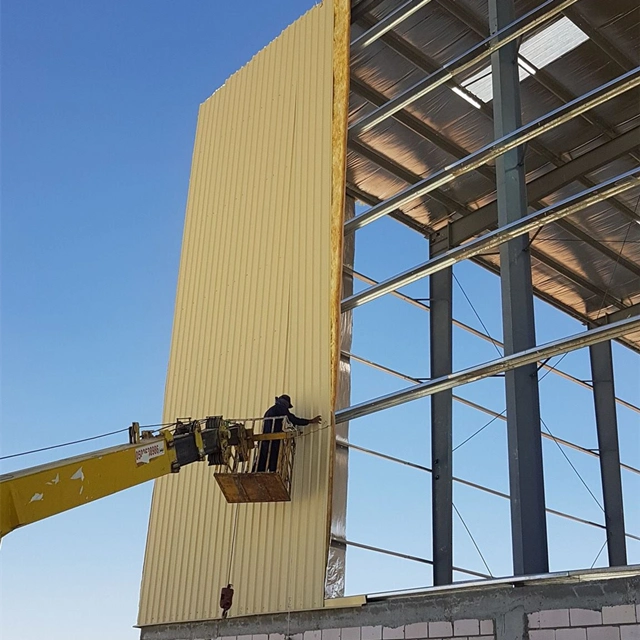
<point>270,449</point>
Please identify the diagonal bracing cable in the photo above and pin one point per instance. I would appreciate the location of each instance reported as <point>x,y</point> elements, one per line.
<point>475,311</point>
<point>475,544</point>
<point>566,457</point>
<point>604,544</point>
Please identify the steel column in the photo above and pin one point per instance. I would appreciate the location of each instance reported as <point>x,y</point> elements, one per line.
<point>607,425</point>
<point>526,480</point>
<point>441,357</point>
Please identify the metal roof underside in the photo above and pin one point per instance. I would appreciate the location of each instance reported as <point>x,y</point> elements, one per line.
<point>587,264</point>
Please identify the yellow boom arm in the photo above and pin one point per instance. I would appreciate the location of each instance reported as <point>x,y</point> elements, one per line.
<point>39,492</point>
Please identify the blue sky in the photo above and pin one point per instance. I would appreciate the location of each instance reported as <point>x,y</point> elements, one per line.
<point>99,106</point>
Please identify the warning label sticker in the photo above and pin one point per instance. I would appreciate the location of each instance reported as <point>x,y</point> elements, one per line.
<point>149,451</point>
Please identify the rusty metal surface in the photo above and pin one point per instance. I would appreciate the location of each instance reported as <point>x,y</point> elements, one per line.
<point>253,487</point>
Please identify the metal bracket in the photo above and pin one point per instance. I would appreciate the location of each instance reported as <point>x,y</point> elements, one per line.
<point>439,241</point>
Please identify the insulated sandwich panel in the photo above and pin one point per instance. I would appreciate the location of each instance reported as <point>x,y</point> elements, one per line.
<point>256,316</point>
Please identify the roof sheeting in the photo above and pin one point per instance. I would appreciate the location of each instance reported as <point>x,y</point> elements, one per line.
<point>587,265</point>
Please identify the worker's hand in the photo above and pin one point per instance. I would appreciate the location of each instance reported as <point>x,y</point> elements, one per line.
<point>316,420</point>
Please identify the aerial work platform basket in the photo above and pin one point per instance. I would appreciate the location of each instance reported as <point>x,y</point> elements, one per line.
<point>255,467</point>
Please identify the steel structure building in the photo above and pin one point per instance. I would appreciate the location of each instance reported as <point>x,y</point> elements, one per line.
<point>468,127</point>
<point>506,132</point>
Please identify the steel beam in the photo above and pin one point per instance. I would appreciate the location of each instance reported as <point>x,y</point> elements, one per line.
<point>534,191</point>
<point>363,7</point>
<point>441,357</point>
<point>420,228</point>
<point>607,426</point>
<point>416,125</point>
<point>495,238</point>
<point>398,215</point>
<point>541,76</point>
<point>486,217</point>
<point>498,147</point>
<point>599,39</point>
<point>389,22</point>
<point>479,372</point>
<point>404,556</point>
<point>397,170</point>
<point>477,407</point>
<point>419,59</point>
<point>464,62</point>
<point>619,315</point>
<point>609,318</point>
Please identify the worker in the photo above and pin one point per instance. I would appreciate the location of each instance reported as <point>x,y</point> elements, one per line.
<point>274,418</point>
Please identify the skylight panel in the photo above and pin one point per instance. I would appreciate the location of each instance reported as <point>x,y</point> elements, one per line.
<point>535,53</point>
<point>552,43</point>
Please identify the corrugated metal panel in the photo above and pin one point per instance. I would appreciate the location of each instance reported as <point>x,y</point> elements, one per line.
<point>254,313</point>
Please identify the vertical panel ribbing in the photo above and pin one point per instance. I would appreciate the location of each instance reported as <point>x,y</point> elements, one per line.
<point>253,317</point>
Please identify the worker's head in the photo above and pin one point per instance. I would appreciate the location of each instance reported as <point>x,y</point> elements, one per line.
<point>285,400</point>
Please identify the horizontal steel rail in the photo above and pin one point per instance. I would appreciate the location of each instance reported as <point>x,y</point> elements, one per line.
<point>494,239</point>
<point>404,556</point>
<point>619,315</point>
<point>386,24</point>
<point>479,407</point>
<point>479,372</point>
<point>474,485</point>
<point>496,148</point>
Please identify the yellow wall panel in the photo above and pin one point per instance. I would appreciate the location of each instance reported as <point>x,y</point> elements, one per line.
<point>255,317</point>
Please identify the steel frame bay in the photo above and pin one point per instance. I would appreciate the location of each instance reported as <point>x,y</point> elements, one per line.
<point>529,535</point>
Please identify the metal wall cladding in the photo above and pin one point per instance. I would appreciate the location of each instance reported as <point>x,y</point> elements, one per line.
<point>254,318</point>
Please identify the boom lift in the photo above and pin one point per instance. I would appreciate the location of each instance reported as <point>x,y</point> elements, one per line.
<point>39,492</point>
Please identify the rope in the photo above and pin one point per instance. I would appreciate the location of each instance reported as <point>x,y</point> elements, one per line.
<point>552,367</point>
<point>312,431</point>
<point>64,444</point>
<point>482,428</point>
<point>233,542</point>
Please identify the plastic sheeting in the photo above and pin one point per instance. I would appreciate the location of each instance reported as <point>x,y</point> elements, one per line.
<point>336,561</point>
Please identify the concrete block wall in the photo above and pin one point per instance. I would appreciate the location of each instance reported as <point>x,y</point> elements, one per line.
<point>616,622</point>
<point>464,629</point>
<point>590,605</point>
